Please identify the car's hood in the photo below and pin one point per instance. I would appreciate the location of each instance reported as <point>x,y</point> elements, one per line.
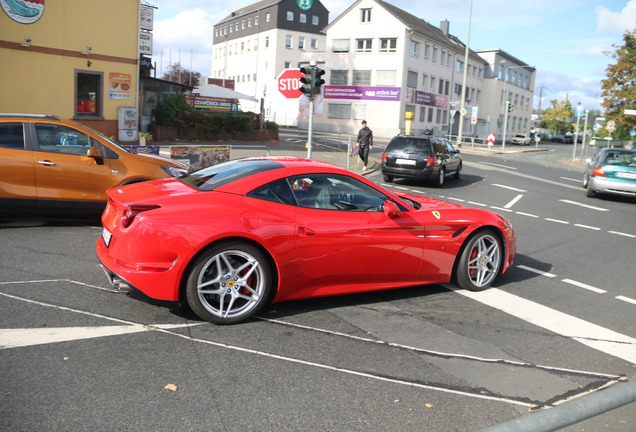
<point>159,160</point>
<point>428,203</point>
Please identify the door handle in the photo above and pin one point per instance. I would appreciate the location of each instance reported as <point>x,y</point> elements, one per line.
<point>306,232</point>
<point>47,163</point>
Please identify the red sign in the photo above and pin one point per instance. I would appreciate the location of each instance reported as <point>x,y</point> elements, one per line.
<point>611,126</point>
<point>289,83</point>
<point>491,139</point>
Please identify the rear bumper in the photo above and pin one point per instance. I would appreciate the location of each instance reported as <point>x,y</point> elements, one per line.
<point>409,173</point>
<point>613,186</point>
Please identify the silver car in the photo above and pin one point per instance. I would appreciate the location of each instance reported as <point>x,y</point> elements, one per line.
<point>611,171</point>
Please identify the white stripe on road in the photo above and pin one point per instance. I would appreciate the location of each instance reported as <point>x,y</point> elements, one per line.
<point>534,270</point>
<point>509,187</point>
<point>477,204</point>
<point>622,234</point>
<point>592,335</point>
<point>571,179</point>
<point>527,214</point>
<point>582,285</point>
<point>514,201</point>
<point>626,299</point>
<point>587,226</point>
<point>584,205</point>
<point>557,221</point>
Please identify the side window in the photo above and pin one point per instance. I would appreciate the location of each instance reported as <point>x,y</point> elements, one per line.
<point>12,136</point>
<point>449,146</point>
<point>63,139</point>
<point>336,192</point>
<point>277,191</point>
<point>439,147</point>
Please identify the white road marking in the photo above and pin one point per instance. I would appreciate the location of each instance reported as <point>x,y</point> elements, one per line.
<point>582,285</point>
<point>498,165</point>
<point>626,299</point>
<point>557,221</point>
<point>477,204</point>
<point>509,187</point>
<point>622,234</point>
<point>571,179</point>
<point>502,209</point>
<point>534,270</point>
<point>456,199</point>
<point>587,226</point>
<point>527,214</point>
<point>592,335</point>
<point>514,201</point>
<point>584,205</point>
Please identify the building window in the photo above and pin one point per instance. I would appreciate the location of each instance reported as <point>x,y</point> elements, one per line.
<point>303,18</point>
<point>237,26</point>
<point>448,59</point>
<point>339,111</point>
<point>388,45</point>
<point>314,19</point>
<point>427,51</point>
<point>441,86</point>
<point>314,43</point>
<point>267,17</point>
<point>88,95</point>
<point>364,45</point>
<point>266,41</point>
<point>444,116</point>
<point>255,44</point>
<point>410,108</point>
<point>438,117</point>
<point>256,20</point>
<point>290,16</point>
<point>430,114</point>
<point>249,22</point>
<point>458,91</point>
<point>361,77</point>
<point>301,42</point>
<point>385,77</point>
<point>288,41</point>
<point>287,65</point>
<point>411,79</point>
<point>414,48</point>
<point>242,47</point>
<point>365,15</point>
<point>242,24</point>
<point>338,77</point>
<point>500,74</point>
<point>443,60</point>
<point>478,96</point>
<point>460,66</point>
<point>424,82</point>
<point>359,111</point>
<point>340,45</point>
<point>434,57</point>
<point>216,33</point>
<point>433,83</point>
<point>422,113</point>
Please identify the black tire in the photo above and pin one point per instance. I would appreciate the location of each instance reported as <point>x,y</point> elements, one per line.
<point>387,178</point>
<point>590,192</point>
<point>229,283</point>
<point>456,175</point>
<point>586,181</point>
<point>480,261</point>
<point>441,176</point>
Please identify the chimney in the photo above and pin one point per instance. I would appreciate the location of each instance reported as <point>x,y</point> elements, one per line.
<point>444,26</point>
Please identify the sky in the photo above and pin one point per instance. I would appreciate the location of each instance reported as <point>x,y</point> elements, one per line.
<point>568,41</point>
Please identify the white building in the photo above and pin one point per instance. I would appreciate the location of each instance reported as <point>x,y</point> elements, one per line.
<point>255,44</point>
<point>517,88</point>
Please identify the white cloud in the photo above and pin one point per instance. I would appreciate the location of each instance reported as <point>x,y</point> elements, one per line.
<point>616,22</point>
<point>559,86</point>
<point>588,52</point>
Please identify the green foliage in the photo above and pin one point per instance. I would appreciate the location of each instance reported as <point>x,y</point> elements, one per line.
<point>218,125</point>
<point>172,109</point>
<point>619,88</point>
<point>270,125</point>
<point>555,116</point>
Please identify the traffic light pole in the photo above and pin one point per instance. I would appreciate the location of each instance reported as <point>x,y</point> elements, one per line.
<point>503,139</point>
<point>310,132</point>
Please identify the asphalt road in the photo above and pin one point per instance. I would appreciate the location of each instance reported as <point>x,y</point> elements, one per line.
<point>559,324</point>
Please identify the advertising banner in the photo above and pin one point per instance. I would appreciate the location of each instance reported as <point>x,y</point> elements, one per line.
<point>419,97</point>
<point>212,104</point>
<point>119,86</point>
<point>197,157</point>
<point>390,94</point>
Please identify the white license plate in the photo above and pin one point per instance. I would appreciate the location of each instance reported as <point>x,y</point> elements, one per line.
<point>405,161</point>
<point>106,236</point>
<point>627,175</point>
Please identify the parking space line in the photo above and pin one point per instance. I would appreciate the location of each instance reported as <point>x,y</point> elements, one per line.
<point>534,270</point>
<point>626,299</point>
<point>587,227</point>
<point>582,285</point>
<point>557,221</point>
<point>622,234</point>
<point>584,205</point>
<point>527,214</point>
<point>514,201</point>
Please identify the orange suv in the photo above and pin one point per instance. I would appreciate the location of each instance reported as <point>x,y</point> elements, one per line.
<point>60,165</point>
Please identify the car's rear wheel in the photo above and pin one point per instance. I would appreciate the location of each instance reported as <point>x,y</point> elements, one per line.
<point>590,192</point>
<point>456,175</point>
<point>387,178</point>
<point>479,262</point>
<point>441,175</point>
<point>229,283</point>
<point>586,180</point>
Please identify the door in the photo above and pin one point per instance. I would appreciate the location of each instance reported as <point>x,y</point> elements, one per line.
<point>63,171</point>
<point>17,173</point>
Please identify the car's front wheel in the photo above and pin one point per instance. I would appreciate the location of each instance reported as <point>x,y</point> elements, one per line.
<point>479,262</point>
<point>441,175</point>
<point>387,178</point>
<point>229,283</point>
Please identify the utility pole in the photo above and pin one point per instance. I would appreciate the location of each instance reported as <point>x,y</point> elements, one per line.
<point>541,95</point>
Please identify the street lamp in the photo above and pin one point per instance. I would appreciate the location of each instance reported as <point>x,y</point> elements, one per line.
<point>507,104</point>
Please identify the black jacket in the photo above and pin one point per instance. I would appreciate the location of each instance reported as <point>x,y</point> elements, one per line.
<point>365,137</point>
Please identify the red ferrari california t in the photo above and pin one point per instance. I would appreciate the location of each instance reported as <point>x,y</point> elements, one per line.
<point>229,239</point>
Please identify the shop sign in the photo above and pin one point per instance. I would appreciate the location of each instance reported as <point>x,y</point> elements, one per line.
<point>146,18</point>
<point>119,86</point>
<point>212,104</point>
<point>389,94</point>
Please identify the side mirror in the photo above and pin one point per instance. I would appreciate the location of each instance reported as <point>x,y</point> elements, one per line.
<point>391,209</point>
<point>96,154</point>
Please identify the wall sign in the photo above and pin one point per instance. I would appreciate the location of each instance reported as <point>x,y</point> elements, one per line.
<point>24,11</point>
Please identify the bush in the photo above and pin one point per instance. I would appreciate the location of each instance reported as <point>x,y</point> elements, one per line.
<point>172,109</point>
<point>270,125</point>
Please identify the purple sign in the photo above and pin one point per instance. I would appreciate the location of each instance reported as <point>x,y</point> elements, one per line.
<point>391,94</point>
<point>424,98</point>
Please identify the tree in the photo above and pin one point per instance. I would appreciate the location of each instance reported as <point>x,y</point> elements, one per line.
<point>619,88</point>
<point>554,117</point>
<point>178,74</point>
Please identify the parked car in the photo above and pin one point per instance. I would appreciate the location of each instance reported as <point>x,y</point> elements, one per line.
<point>611,171</point>
<point>520,139</point>
<point>228,239</point>
<point>421,158</point>
<point>59,165</point>
<point>565,139</point>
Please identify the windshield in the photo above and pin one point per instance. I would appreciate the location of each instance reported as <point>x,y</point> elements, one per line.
<point>409,145</point>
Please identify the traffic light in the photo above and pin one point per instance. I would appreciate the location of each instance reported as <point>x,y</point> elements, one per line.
<point>318,81</point>
<point>511,107</point>
<point>306,80</point>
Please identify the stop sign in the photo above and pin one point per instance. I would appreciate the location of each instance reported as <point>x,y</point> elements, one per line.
<point>289,83</point>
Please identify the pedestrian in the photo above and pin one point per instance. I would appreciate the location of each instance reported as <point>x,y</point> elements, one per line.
<point>365,143</point>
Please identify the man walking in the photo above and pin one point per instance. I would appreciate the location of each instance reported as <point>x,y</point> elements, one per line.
<point>364,143</point>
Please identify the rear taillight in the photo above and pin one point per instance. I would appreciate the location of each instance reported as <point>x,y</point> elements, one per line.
<point>430,161</point>
<point>384,157</point>
<point>598,172</point>
<point>133,210</point>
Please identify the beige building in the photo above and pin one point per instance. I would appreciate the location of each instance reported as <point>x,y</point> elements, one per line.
<point>75,59</point>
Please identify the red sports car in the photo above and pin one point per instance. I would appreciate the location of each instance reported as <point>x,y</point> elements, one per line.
<point>228,239</point>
